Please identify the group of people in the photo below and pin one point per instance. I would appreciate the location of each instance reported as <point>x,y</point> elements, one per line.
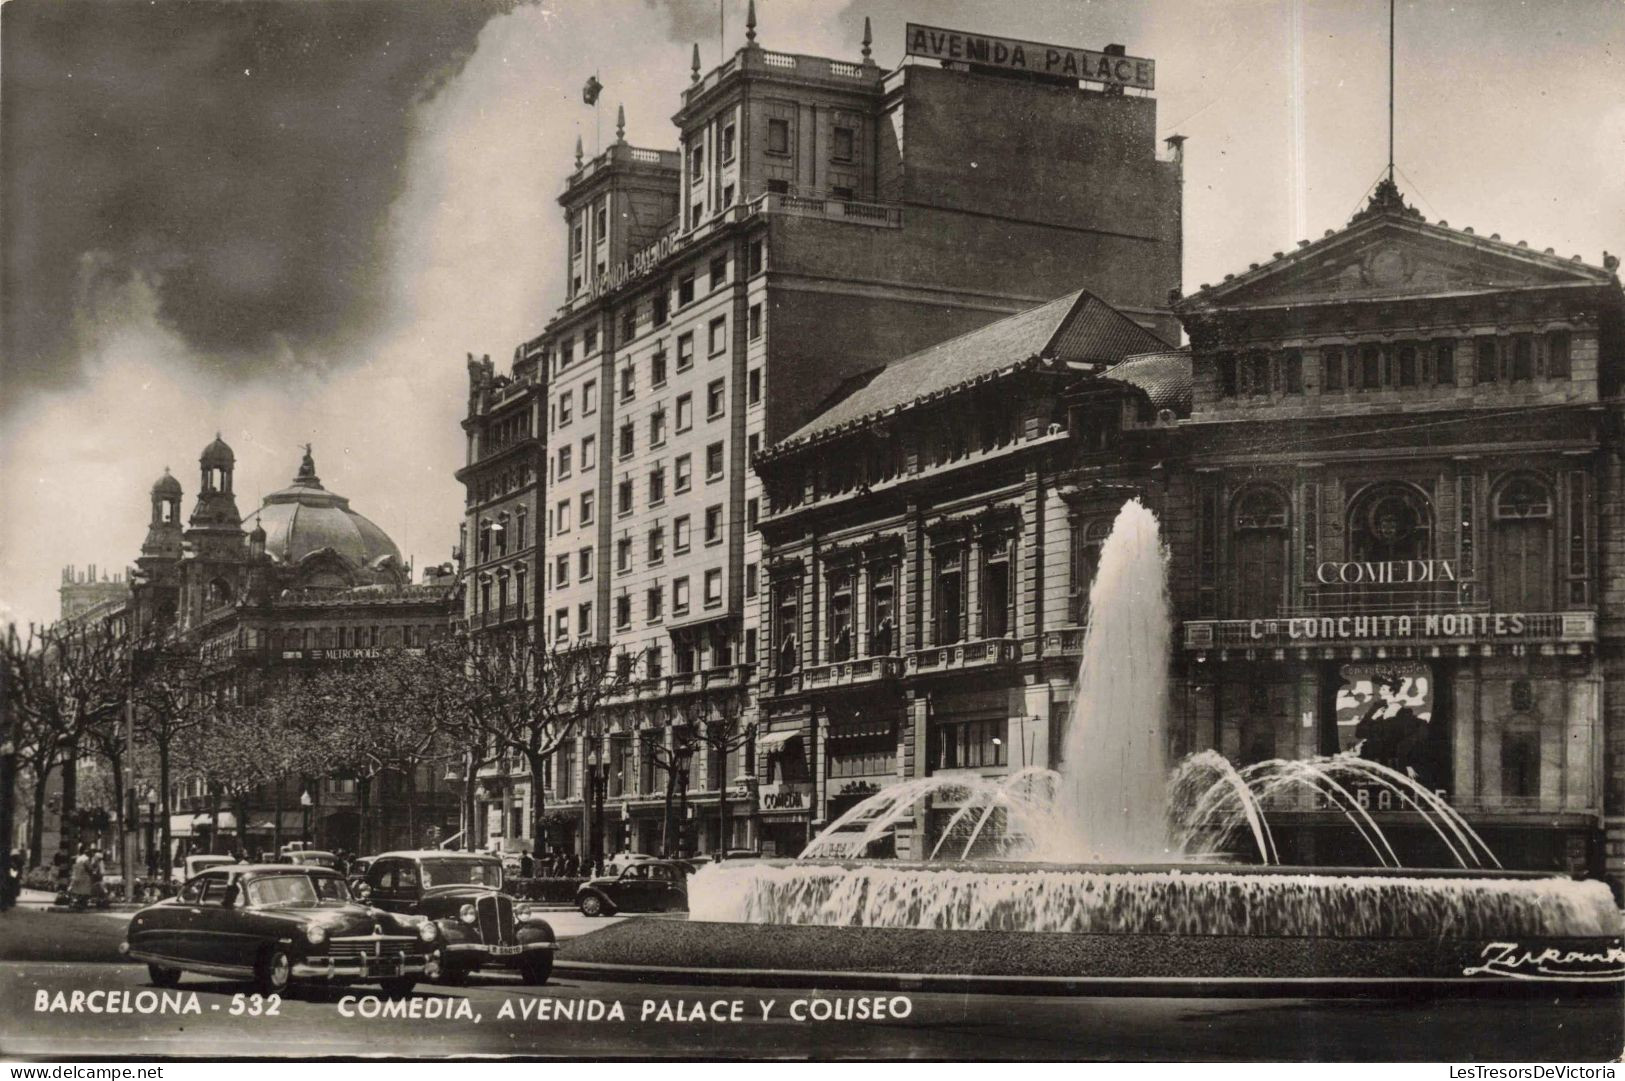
<point>80,875</point>
<point>556,864</point>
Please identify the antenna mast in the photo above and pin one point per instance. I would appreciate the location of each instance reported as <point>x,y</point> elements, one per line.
<point>1391,91</point>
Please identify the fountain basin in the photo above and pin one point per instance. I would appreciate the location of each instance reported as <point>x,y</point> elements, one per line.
<point>1165,929</point>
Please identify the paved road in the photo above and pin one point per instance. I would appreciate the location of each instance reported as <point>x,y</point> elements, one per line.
<point>496,1015</point>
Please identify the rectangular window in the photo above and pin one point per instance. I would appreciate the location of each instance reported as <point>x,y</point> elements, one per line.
<point>589,397</point>
<point>589,452</point>
<point>623,554</point>
<point>561,571</point>
<point>657,370</point>
<point>1408,375</point>
<point>755,322</point>
<point>657,485</point>
<point>882,613</point>
<point>1444,363</point>
<point>685,412</point>
<point>679,534</point>
<point>584,618</point>
<point>713,524</point>
<point>682,473</point>
<point>727,196</point>
<point>753,386</point>
<point>719,271</point>
<point>1292,373</point>
<point>756,257</point>
<point>685,290</point>
<point>584,565</point>
<point>657,545</point>
<point>562,517</point>
<point>600,223</point>
<point>1226,365</point>
<point>1523,358</point>
<point>628,437</point>
<point>566,404</point>
<point>1520,764</point>
<point>995,589</point>
<point>661,309</point>
<point>752,445</point>
<point>713,587</point>
<point>561,623</point>
<point>719,335</point>
<point>1370,367</point>
<point>843,194</point>
<point>587,506</point>
<point>685,351</point>
<point>948,597</point>
<point>696,161</point>
<point>629,325</point>
<point>623,612</point>
<point>657,428</point>
<point>623,497</point>
<point>714,398</point>
<point>838,625</point>
<point>778,136</point>
<point>567,354</point>
<point>589,341</point>
<point>696,214</point>
<point>969,744</point>
<point>750,513</point>
<point>679,595</point>
<point>1486,361</point>
<point>629,383</point>
<point>750,579</point>
<point>655,602</point>
<point>844,144</point>
<point>565,457</point>
<point>728,143</point>
<point>713,462</point>
<point>1558,365</point>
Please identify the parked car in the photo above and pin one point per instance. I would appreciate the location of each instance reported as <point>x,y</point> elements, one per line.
<point>645,886</point>
<point>276,924</point>
<point>480,925</point>
<point>311,857</point>
<point>356,873</point>
<point>622,860</point>
<point>193,866</point>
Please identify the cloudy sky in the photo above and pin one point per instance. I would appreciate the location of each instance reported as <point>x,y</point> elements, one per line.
<point>291,220</point>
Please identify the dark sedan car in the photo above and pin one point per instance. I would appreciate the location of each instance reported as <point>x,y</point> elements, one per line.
<point>275,924</point>
<point>462,892</point>
<point>646,886</point>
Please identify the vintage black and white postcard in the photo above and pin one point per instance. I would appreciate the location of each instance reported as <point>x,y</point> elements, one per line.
<point>768,529</point>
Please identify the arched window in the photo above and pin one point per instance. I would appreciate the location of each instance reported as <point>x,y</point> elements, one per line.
<point>1521,572</point>
<point>219,593</point>
<point>1389,522</point>
<point>1259,548</point>
<point>1088,537</point>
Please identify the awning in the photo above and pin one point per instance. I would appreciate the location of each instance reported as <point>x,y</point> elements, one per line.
<point>771,741</point>
<point>180,825</point>
<point>228,821</point>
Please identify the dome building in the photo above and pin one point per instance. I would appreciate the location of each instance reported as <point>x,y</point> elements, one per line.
<point>314,532</point>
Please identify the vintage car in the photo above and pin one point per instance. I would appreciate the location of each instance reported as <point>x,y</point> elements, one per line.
<point>645,886</point>
<point>311,857</point>
<point>192,866</point>
<point>274,924</point>
<point>479,924</point>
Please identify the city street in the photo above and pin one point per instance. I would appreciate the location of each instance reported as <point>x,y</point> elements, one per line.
<point>66,953</point>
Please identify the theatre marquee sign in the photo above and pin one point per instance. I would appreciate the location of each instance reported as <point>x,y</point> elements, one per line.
<point>1438,627</point>
<point>1031,56</point>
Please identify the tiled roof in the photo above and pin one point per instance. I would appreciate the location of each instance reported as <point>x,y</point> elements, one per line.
<point>1078,327</point>
<point>1164,377</point>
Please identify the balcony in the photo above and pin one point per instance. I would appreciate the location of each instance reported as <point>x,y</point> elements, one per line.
<point>1417,633</point>
<point>1063,641</point>
<point>961,656</point>
<point>829,208</point>
<point>794,65</point>
<point>862,671</point>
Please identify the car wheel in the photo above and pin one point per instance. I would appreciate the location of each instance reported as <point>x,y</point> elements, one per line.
<point>536,968</point>
<point>399,987</point>
<point>272,972</point>
<point>592,905</point>
<point>453,975</point>
<point>159,976</point>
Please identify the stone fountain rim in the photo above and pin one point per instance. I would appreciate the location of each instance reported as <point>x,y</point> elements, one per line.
<point>1229,870</point>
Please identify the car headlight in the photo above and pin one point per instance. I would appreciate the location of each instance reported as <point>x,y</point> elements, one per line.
<point>522,912</point>
<point>427,931</point>
<point>466,914</point>
<point>316,934</point>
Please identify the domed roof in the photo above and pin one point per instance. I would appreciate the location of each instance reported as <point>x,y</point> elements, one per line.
<point>305,517</point>
<point>167,485</point>
<point>217,453</point>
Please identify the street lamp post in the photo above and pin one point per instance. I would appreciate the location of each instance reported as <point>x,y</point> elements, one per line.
<point>305,803</point>
<point>152,826</point>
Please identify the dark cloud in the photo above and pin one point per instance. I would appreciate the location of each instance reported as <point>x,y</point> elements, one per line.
<point>241,157</point>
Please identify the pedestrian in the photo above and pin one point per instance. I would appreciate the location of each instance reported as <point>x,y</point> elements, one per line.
<point>14,880</point>
<point>80,885</point>
<point>527,865</point>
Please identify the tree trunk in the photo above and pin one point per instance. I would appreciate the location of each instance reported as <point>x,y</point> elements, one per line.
<point>412,807</point>
<point>36,826</point>
<point>163,802</point>
<point>538,799</point>
<point>363,792</point>
<point>214,824</point>
<point>70,793</point>
<point>239,810</point>
<point>276,821</point>
<point>666,823</point>
<point>126,872</point>
<point>471,785</point>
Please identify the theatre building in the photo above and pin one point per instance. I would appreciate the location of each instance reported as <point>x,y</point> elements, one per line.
<point>814,219</point>
<point>931,538</point>
<point>1404,532</point>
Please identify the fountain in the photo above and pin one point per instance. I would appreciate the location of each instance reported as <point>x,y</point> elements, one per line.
<point>1108,869</point>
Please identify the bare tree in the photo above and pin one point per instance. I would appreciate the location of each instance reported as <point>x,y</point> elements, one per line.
<point>35,723</point>
<point>169,704</point>
<point>717,719</point>
<point>88,667</point>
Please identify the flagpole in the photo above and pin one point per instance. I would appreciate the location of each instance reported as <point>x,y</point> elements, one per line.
<point>1391,91</point>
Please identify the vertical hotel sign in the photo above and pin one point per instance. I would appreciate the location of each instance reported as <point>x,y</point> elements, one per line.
<point>1058,61</point>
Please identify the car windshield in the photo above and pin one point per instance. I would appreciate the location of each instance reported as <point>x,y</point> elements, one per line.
<point>282,890</point>
<point>318,860</point>
<point>331,889</point>
<point>462,873</point>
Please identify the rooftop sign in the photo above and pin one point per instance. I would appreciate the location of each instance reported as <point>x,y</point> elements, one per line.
<point>1032,56</point>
